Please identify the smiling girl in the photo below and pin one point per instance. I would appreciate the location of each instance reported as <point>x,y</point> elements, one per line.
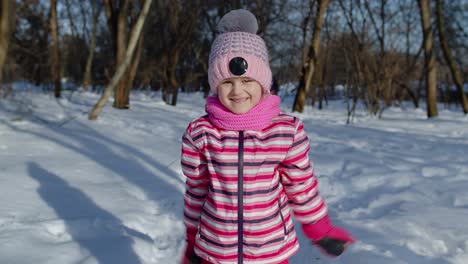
<point>247,164</point>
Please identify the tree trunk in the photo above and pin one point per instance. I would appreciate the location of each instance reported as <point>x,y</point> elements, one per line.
<point>120,98</point>
<point>133,68</point>
<point>122,68</point>
<point>299,100</point>
<point>309,67</point>
<point>429,59</point>
<point>171,76</point>
<point>5,19</point>
<point>56,72</point>
<point>323,81</point>
<point>412,95</point>
<point>457,79</point>
<point>92,48</point>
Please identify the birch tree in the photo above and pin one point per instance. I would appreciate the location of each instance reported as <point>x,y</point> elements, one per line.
<point>308,68</point>
<point>429,58</point>
<point>96,11</point>
<point>119,19</point>
<point>122,68</point>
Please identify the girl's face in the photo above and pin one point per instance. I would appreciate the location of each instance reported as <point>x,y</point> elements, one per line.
<point>239,94</point>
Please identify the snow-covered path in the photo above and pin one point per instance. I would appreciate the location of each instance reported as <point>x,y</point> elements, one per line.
<point>76,191</point>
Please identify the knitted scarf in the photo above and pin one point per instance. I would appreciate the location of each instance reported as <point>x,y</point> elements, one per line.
<point>256,118</point>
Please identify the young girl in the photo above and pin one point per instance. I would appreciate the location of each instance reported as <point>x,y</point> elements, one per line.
<point>247,165</point>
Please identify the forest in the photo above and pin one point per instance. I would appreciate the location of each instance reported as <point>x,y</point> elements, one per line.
<point>376,53</point>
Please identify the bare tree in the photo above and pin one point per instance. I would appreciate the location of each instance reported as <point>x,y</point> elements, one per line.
<point>354,47</point>
<point>7,10</point>
<point>119,19</point>
<point>180,22</point>
<point>309,67</point>
<point>410,70</point>
<point>96,11</point>
<point>377,71</point>
<point>122,68</point>
<point>383,69</point>
<point>30,42</point>
<point>457,79</point>
<point>56,68</point>
<point>429,62</point>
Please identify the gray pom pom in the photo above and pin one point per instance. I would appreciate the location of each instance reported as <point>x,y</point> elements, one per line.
<point>238,20</point>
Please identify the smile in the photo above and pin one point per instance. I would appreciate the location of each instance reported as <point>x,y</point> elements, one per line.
<point>238,100</point>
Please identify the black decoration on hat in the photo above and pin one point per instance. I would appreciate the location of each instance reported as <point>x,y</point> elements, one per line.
<point>238,66</point>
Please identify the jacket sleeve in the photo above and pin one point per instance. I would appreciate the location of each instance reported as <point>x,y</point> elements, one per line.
<point>194,167</point>
<point>300,185</point>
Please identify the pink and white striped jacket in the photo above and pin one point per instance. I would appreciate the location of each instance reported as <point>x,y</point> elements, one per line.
<point>241,187</point>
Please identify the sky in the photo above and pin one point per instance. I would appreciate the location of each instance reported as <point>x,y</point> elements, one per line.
<point>111,190</point>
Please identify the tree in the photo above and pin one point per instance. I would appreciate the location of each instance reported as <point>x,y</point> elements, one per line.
<point>308,68</point>
<point>55,66</point>
<point>410,69</point>
<point>457,79</point>
<point>7,9</point>
<point>96,11</point>
<point>73,50</point>
<point>120,19</point>
<point>30,42</point>
<point>429,58</point>
<point>179,21</point>
<point>122,68</point>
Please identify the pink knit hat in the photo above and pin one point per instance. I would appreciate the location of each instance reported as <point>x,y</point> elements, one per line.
<point>238,51</point>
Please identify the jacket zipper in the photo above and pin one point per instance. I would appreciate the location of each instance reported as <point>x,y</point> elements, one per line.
<point>240,200</point>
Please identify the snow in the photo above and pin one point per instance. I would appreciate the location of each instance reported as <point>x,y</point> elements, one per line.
<point>110,191</point>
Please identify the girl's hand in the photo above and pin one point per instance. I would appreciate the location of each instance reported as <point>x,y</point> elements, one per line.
<point>330,239</point>
<point>194,259</point>
<point>331,246</point>
<point>334,242</point>
<point>189,256</point>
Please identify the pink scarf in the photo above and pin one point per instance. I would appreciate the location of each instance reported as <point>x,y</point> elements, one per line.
<point>257,118</point>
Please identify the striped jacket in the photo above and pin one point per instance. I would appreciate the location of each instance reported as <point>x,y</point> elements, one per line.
<point>241,187</point>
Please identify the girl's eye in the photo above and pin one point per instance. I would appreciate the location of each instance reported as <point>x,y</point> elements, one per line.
<point>247,80</point>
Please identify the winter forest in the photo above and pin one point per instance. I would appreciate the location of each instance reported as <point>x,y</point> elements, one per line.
<point>95,96</point>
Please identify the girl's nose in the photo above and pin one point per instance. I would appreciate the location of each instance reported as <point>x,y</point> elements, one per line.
<point>237,87</point>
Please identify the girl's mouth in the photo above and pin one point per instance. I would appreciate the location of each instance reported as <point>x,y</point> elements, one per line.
<point>239,100</point>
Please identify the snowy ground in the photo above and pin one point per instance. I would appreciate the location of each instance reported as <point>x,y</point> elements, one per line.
<point>110,191</point>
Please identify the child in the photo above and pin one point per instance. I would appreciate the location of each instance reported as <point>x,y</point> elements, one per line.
<point>247,165</point>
